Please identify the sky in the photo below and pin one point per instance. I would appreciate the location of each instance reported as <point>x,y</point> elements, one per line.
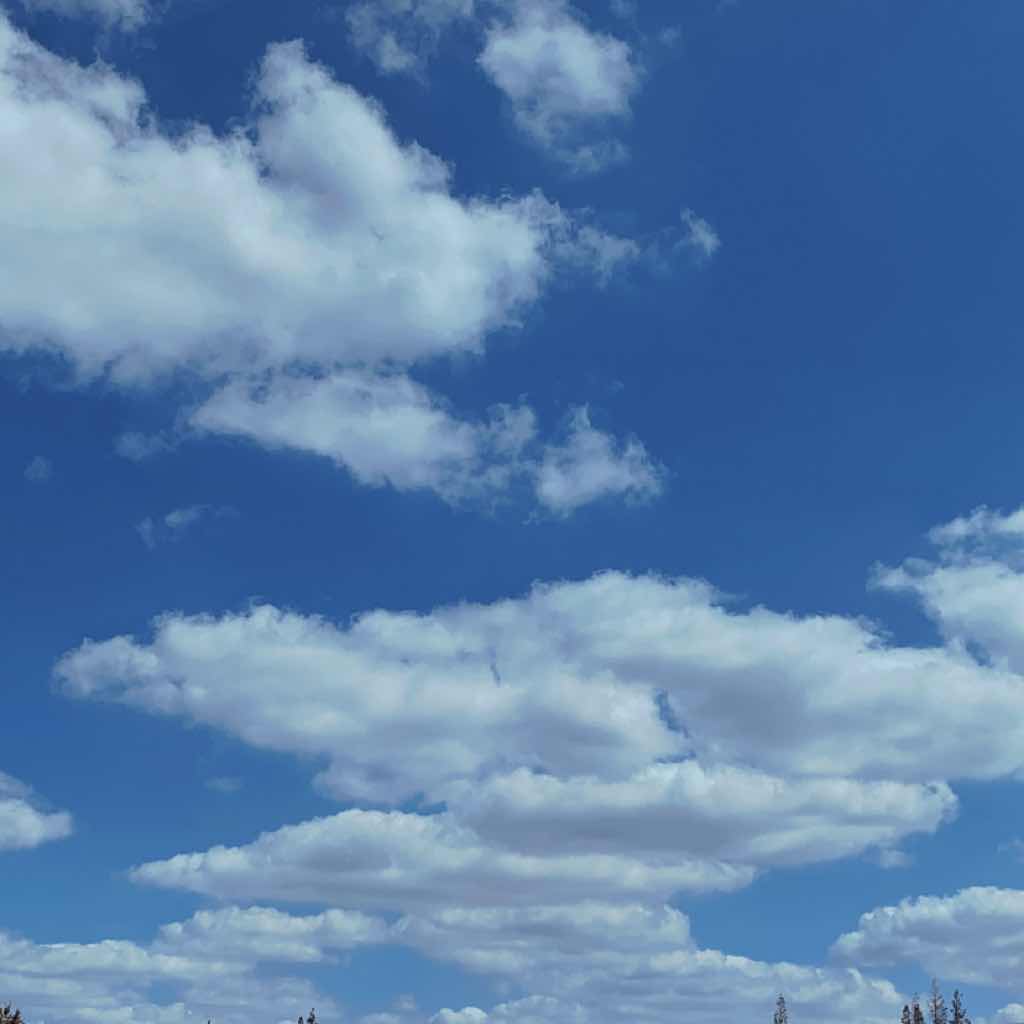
<point>511,510</point>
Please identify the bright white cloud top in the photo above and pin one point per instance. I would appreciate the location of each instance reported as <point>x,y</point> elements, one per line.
<point>24,824</point>
<point>312,239</point>
<point>976,934</point>
<point>564,81</point>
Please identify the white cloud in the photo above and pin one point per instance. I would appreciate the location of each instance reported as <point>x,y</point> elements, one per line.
<point>567,681</point>
<point>589,962</point>
<point>383,429</point>
<point>975,936</point>
<point>320,239</point>
<point>714,988</point>
<point>699,235</point>
<point>173,525</point>
<point>127,14</point>
<point>138,447</point>
<point>282,681</point>
<point>389,430</point>
<point>722,813</point>
<point>399,35</point>
<point>303,262</point>
<point>24,824</point>
<point>847,703</point>
<point>591,464</point>
<point>39,470</point>
<point>214,965</point>
<point>400,862</point>
<point>975,590</point>
<point>1012,1014</point>
<point>566,83</point>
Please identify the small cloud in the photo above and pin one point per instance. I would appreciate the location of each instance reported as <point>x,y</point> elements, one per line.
<point>591,464</point>
<point>39,470</point>
<point>566,84</point>
<point>138,447</point>
<point>699,235</point>
<point>1015,848</point>
<point>147,531</point>
<point>890,859</point>
<point>173,525</point>
<point>225,785</point>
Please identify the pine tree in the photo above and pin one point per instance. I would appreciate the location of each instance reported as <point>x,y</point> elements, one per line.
<point>905,1017</point>
<point>937,1006</point>
<point>10,1016</point>
<point>781,1013</point>
<point>959,1013</point>
<point>917,1017</point>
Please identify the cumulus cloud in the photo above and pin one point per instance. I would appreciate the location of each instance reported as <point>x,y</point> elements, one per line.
<point>974,590</point>
<point>24,823</point>
<point>565,82</point>
<point>722,812</point>
<point>398,861</point>
<point>586,962</point>
<point>591,464</point>
<point>126,14</point>
<point>303,262</point>
<point>566,679</point>
<point>442,693</point>
<point>218,964</point>
<point>617,713</point>
<point>715,988</point>
<point>384,429</point>
<point>39,470</point>
<point>975,936</point>
<point>399,35</point>
<point>316,237</point>
<point>1011,1014</point>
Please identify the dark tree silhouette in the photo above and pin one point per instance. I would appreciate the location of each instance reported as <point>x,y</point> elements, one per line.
<point>10,1016</point>
<point>917,1017</point>
<point>957,1008</point>
<point>905,1017</point>
<point>781,1015</point>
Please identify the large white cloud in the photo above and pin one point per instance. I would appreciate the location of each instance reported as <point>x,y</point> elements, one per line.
<point>565,82</point>
<point>218,964</point>
<point>723,812</point>
<point>588,961</point>
<point>317,236</point>
<point>395,861</point>
<point>566,678</point>
<point>974,936</point>
<point>23,822</point>
<point>312,241</point>
<point>419,685</point>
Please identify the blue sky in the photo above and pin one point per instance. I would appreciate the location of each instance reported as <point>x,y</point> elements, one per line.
<point>511,510</point>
